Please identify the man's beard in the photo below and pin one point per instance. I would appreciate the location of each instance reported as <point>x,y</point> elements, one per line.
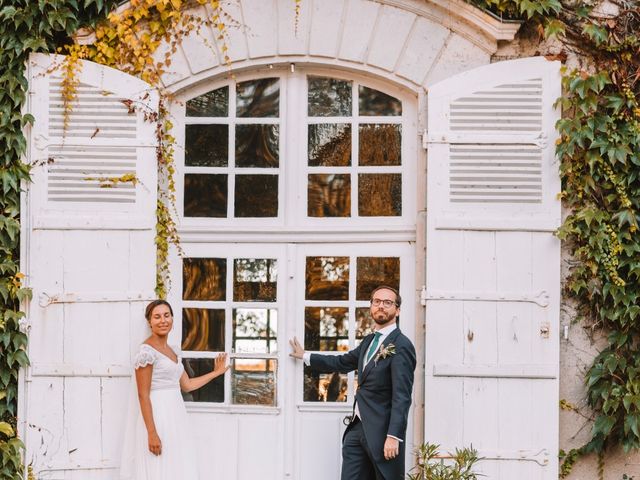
<point>382,317</point>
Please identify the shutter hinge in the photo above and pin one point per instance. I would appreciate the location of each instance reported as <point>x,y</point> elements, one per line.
<point>425,139</point>
<point>423,296</point>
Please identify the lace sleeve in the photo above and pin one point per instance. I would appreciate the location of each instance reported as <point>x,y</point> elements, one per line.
<point>143,358</point>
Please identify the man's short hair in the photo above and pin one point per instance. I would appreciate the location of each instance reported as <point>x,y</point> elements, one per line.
<point>387,287</point>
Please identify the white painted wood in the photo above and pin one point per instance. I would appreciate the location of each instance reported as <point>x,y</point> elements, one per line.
<point>199,47</point>
<point>262,439</point>
<point>490,371</point>
<point>293,39</point>
<point>178,68</point>
<point>87,267</point>
<point>235,39</point>
<point>114,398</point>
<point>217,442</point>
<point>385,49</point>
<point>321,429</point>
<point>82,419</point>
<point>361,17</point>
<point>458,55</point>
<point>44,430</point>
<point>497,224</point>
<point>423,47</point>
<point>493,280</point>
<point>261,20</point>
<point>326,27</point>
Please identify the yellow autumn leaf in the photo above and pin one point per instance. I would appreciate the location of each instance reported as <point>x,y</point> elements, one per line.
<point>6,429</point>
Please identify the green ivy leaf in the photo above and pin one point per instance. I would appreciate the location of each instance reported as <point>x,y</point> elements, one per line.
<point>597,33</point>
<point>604,424</point>
<point>554,28</point>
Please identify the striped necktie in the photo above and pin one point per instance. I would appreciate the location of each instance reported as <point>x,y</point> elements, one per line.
<point>373,347</point>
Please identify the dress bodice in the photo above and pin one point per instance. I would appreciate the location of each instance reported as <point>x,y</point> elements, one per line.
<point>166,372</point>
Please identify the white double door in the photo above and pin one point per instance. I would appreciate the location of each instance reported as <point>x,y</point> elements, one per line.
<point>321,297</point>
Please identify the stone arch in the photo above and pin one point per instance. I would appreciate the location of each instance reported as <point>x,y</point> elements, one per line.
<point>414,43</point>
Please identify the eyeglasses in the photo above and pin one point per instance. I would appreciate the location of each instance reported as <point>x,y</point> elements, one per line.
<point>386,303</point>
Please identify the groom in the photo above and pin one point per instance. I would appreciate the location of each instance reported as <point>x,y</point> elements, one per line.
<point>373,445</point>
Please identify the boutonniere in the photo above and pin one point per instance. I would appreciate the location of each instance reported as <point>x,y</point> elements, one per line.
<point>384,351</point>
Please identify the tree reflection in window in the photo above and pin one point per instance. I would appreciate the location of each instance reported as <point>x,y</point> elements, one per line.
<point>255,279</point>
<point>326,329</point>
<point>329,195</point>
<point>253,381</point>
<point>324,387</point>
<point>327,278</point>
<point>204,278</point>
<point>331,173</point>
<point>255,330</point>
<point>212,181</point>
<point>210,104</point>
<point>202,330</point>
<point>375,103</point>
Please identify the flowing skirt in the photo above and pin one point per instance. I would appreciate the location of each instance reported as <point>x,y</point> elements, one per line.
<point>178,457</point>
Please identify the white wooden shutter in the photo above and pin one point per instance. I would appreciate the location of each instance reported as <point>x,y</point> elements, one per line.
<point>493,267</point>
<point>89,255</point>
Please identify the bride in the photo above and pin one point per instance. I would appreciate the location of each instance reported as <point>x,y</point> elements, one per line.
<point>158,444</point>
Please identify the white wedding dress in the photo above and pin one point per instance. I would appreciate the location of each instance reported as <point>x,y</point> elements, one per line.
<point>178,457</point>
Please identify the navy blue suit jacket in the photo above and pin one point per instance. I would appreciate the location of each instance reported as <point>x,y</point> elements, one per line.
<point>383,396</point>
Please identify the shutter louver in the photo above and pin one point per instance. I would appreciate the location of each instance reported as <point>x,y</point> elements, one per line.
<point>515,107</point>
<point>95,170</point>
<point>495,173</point>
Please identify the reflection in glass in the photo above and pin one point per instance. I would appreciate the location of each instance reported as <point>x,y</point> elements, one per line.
<point>257,146</point>
<point>324,387</point>
<point>326,329</point>
<point>203,330</point>
<point>253,381</point>
<point>210,104</point>
<point>330,145</point>
<point>255,330</point>
<point>379,144</point>
<point>212,391</point>
<point>380,195</point>
<point>206,145</point>
<point>329,97</point>
<point>258,98</point>
<point>327,278</point>
<point>329,195</point>
<point>256,196</point>
<point>375,103</point>
<point>255,279</point>
<point>205,195</point>
<point>364,323</point>
<point>204,279</point>
<point>372,272</point>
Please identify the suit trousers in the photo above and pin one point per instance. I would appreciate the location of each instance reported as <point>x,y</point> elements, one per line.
<point>357,461</point>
